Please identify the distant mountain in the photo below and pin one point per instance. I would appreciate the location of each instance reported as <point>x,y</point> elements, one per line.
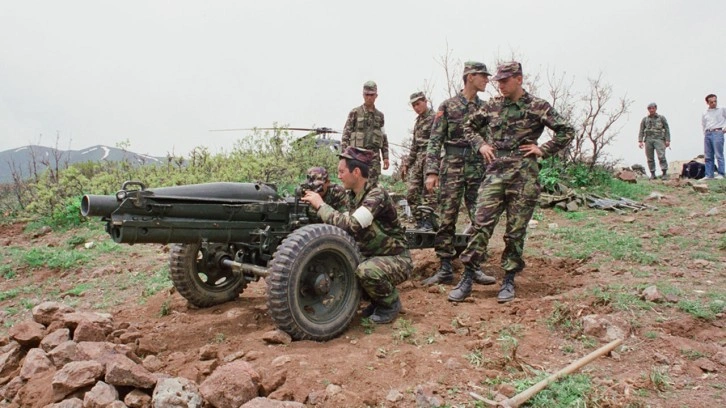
<point>22,158</point>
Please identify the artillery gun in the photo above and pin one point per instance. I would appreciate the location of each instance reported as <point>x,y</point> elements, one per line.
<point>226,235</point>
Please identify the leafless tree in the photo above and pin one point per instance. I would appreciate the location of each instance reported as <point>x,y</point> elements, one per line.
<point>453,69</point>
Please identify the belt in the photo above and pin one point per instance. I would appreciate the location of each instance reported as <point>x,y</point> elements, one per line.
<point>714,130</point>
<point>507,153</point>
<point>458,150</point>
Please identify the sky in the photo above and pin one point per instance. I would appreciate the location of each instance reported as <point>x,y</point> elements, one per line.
<point>161,74</point>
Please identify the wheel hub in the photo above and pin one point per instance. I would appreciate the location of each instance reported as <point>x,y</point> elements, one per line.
<point>322,284</point>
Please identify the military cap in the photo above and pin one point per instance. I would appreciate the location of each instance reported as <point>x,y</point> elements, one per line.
<point>370,88</point>
<point>416,96</point>
<point>508,69</point>
<point>473,67</point>
<point>356,153</point>
<point>317,174</point>
<point>652,105</point>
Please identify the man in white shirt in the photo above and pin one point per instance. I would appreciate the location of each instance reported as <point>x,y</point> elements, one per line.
<point>714,126</point>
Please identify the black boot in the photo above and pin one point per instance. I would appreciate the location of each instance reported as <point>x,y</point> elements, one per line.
<point>482,278</point>
<point>506,292</point>
<point>426,225</point>
<point>665,175</point>
<point>463,289</point>
<point>386,314</point>
<point>652,175</point>
<point>445,274</point>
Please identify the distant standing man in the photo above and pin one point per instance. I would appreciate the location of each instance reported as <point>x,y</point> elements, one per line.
<point>332,194</point>
<point>373,222</point>
<point>714,126</point>
<point>414,165</point>
<point>656,136</point>
<point>505,131</point>
<point>459,173</point>
<point>364,129</point>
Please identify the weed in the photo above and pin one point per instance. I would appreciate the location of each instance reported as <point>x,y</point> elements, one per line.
<point>79,289</point>
<point>157,282</point>
<point>651,335</point>
<point>9,294</point>
<point>562,318</point>
<point>588,342</point>
<point>567,349</point>
<point>692,354</point>
<point>569,391</point>
<point>474,358</point>
<point>659,379</point>
<point>219,338</point>
<point>404,331</point>
<point>165,308</point>
<point>696,309</point>
<point>55,258</point>
<point>508,343</point>
<point>7,271</point>
<point>368,326</point>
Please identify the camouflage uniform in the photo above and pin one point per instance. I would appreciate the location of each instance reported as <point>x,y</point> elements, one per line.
<point>383,243</point>
<point>511,183</point>
<point>417,194</point>
<point>460,171</point>
<point>654,132</point>
<point>364,129</point>
<point>335,196</point>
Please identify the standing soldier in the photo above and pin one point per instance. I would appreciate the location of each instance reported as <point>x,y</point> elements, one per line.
<point>373,222</point>
<point>364,129</point>
<point>459,173</point>
<point>655,135</point>
<point>332,194</point>
<point>414,165</point>
<point>505,131</point>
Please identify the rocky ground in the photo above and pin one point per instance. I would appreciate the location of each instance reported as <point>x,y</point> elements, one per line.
<point>664,298</point>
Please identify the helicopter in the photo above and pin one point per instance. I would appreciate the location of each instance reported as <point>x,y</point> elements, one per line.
<point>321,134</point>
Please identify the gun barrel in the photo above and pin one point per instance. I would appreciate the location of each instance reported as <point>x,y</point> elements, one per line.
<point>98,205</point>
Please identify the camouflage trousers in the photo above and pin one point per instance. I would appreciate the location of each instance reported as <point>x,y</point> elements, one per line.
<point>510,185</point>
<point>657,145</point>
<point>417,194</point>
<point>460,177</point>
<point>374,170</point>
<point>379,276</point>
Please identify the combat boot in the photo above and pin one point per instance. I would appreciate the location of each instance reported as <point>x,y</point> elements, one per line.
<point>386,314</point>
<point>482,278</point>
<point>426,225</point>
<point>445,274</point>
<point>665,175</point>
<point>369,310</point>
<point>652,175</point>
<point>463,289</point>
<point>506,292</point>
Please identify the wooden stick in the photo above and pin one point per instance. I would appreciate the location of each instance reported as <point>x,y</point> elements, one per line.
<point>523,396</point>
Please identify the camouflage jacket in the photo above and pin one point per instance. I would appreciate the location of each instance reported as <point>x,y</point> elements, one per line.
<point>336,197</point>
<point>505,125</point>
<point>421,135</point>
<point>372,221</point>
<point>654,126</point>
<point>364,129</point>
<point>448,128</point>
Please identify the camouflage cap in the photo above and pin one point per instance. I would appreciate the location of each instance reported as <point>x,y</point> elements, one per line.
<point>652,105</point>
<point>356,153</point>
<point>370,88</point>
<point>508,69</point>
<point>473,67</point>
<point>317,174</point>
<point>416,96</point>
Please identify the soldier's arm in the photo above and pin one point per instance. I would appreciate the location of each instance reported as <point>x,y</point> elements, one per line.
<point>474,127</point>
<point>347,130</point>
<point>384,146</point>
<point>563,131</point>
<point>667,129</point>
<point>360,219</point>
<point>641,134</point>
<point>433,150</point>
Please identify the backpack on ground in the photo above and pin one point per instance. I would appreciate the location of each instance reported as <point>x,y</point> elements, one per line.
<point>693,170</point>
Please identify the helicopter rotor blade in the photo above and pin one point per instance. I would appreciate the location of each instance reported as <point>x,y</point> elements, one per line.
<point>319,130</point>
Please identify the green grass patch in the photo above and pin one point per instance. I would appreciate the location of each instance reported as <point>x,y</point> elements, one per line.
<point>619,297</point>
<point>569,391</point>
<point>55,258</point>
<point>580,242</point>
<point>157,282</point>
<point>404,331</point>
<point>9,294</point>
<point>79,289</point>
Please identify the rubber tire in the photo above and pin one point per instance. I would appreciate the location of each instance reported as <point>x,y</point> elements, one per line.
<point>187,270</point>
<point>292,306</point>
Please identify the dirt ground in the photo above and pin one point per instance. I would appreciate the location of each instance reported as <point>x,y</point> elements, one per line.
<point>449,349</point>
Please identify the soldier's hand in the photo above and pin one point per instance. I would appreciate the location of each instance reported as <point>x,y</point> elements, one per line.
<point>640,145</point>
<point>487,151</point>
<point>531,149</point>
<point>386,164</point>
<point>313,198</point>
<point>432,181</point>
<point>668,144</point>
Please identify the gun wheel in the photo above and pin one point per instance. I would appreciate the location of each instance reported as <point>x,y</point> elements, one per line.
<point>313,293</point>
<point>198,275</point>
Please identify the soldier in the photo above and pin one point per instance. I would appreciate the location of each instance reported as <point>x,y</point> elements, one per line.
<point>505,131</point>
<point>333,194</point>
<point>414,165</point>
<point>655,135</point>
<point>459,173</point>
<point>373,222</point>
<point>364,129</point>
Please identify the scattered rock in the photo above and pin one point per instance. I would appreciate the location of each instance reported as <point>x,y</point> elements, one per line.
<point>333,389</point>
<point>652,294</point>
<point>700,188</point>
<point>604,328</point>
<point>44,230</point>
<point>231,385</point>
<point>176,392</point>
<point>426,396</point>
<point>507,389</point>
<point>627,176</point>
<point>394,396</point>
<point>209,352</point>
<point>706,365</point>
<point>628,220</point>
<point>262,402</point>
<point>712,212</point>
<point>277,337</point>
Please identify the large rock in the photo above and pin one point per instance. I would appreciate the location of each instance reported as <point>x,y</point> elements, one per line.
<point>231,385</point>
<point>176,392</point>
<point>121,371</point>
<point>75,375</point>
<point>46,312</point>
<point>36,362</point>
<point>605,328</point>
<point>28,333</point>
<point>10,355</point>
<point>55,338</point>
<point>100,396</point>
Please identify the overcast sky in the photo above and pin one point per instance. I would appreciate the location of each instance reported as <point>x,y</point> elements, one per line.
<point>161,74</point>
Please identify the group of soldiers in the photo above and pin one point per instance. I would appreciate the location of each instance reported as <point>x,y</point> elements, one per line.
<point>482,152</point>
